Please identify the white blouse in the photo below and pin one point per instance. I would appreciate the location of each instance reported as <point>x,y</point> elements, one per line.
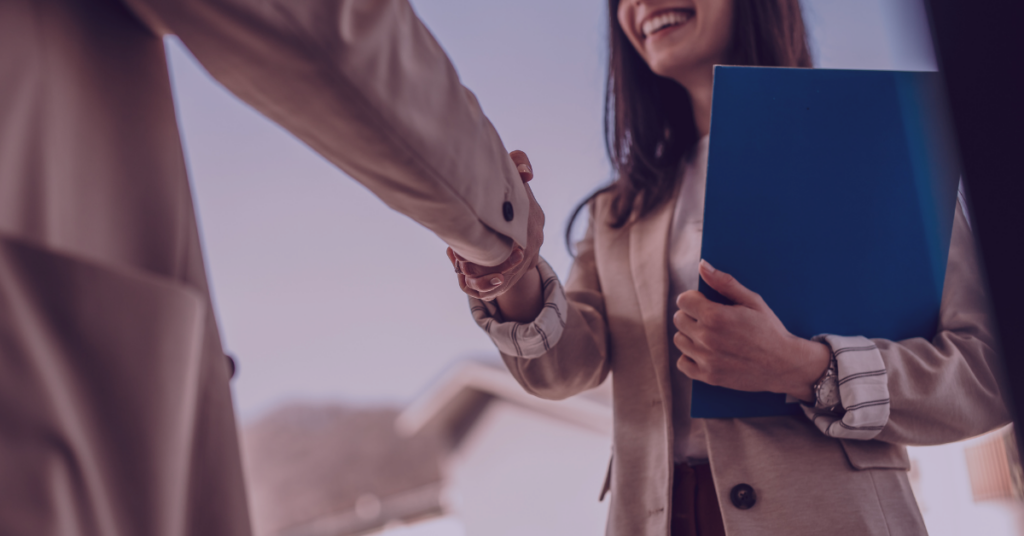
<point>683,257</point>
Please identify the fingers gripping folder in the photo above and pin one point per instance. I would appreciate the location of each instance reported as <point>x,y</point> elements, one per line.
<point>832,194</point>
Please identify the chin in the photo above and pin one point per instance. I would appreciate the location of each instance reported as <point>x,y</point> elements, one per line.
<point>680,65</point>
<point>667,67</point>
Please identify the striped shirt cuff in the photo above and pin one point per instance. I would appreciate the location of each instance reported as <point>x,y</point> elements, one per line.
<point>526,340</point>
<point>863,390</point>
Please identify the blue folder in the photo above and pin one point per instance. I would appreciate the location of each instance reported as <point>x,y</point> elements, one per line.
<point>831,193</point>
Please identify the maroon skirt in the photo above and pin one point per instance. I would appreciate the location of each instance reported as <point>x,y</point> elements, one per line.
<point>695,510</point>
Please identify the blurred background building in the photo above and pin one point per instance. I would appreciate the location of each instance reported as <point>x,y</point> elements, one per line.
<point>474,455</point>
<point>970,487</point>
<point>360,414</point>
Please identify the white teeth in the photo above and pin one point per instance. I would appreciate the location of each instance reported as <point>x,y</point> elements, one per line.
<point>664,20</point>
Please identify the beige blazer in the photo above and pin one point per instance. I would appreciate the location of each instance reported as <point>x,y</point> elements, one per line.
<point>805,482</point>
<point>115,413</point>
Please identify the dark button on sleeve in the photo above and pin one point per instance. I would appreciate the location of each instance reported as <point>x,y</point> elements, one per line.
<point>743,496</point>
<point>506,210</point>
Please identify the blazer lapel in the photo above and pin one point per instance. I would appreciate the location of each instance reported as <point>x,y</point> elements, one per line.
<point>648,259</point>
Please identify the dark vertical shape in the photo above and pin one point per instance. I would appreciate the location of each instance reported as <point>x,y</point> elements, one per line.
<point>980,48</point>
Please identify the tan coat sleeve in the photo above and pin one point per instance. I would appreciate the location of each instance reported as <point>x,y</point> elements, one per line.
<point>364,83</point>
<point>949,388</point>
<point>579,360</point>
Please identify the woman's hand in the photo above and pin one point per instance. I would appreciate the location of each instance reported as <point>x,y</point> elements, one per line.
<point>743,346</point>
<point>516,282</point>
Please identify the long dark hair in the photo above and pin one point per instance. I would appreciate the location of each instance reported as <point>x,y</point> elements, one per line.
<point>648,119</point>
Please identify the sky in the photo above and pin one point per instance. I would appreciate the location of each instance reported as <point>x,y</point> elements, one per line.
<point>324,294</point>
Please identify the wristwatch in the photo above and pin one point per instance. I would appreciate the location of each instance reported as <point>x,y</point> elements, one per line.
<point>826,389</point>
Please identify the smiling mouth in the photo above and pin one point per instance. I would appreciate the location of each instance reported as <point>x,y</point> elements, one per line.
<point>665,20</point>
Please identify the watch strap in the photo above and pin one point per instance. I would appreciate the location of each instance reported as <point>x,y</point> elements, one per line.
<point>826,389</point>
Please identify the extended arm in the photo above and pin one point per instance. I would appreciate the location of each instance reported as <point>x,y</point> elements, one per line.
<point>563,350</point>
<point>365,84</point>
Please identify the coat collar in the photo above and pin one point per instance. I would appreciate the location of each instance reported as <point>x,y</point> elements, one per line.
<point>648,259</point>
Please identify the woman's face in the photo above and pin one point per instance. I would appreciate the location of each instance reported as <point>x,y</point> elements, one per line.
<point>679,38</point>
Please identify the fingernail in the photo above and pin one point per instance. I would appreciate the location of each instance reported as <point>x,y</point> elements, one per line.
<point>707,266</point>
<point>523,168</point>
<point>495,281</point>
<point>517,257</point>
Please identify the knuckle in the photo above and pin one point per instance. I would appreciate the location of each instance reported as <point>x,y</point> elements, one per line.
<point>701,335</point>
<point>711,372</point>
<point>711,318</point>
<point>711,339</point>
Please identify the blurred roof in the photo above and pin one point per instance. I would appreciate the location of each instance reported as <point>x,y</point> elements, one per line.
<point>450,406</point>
<point>318,470</point>
<point>329,469</point>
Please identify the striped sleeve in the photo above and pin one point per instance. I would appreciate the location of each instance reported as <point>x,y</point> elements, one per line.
<point>526,340</point>
<point>863,390</point>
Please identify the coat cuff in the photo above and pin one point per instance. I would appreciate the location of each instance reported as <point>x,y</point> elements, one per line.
<point>526,340</point>
<point>863,390</point>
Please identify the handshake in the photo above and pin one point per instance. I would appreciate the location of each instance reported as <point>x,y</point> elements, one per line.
<point>489,282</point>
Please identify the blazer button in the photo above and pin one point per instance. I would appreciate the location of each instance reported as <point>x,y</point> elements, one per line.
<point>743,496</point>
<point>506,210</point>
<point>231,366</point>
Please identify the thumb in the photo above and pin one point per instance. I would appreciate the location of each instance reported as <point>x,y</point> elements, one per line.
<point>728,286</point>
<point>523,165</point>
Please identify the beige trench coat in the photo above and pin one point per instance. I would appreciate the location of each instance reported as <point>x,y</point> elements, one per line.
<point>115,412</point>
<point>806,483</point>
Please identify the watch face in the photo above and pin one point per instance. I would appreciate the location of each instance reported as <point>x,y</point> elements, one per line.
<point>828,393</point>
